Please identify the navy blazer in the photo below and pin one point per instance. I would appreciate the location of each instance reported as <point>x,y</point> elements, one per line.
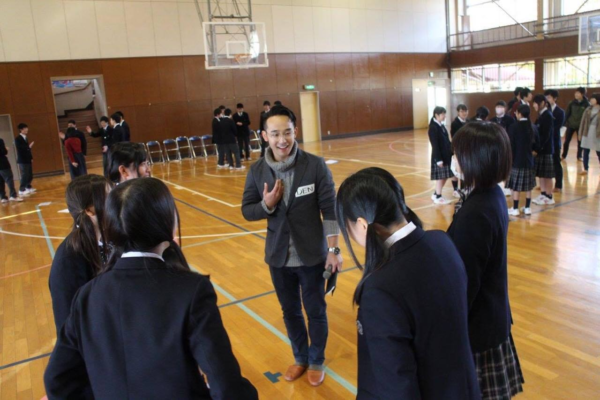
<point>140,331</point>
<point>559,120</point>
<point>312,194</point>
<point>545,125</point>
<point>506,121</point>
<point>456,125</point>
<point>24,155</point>
<point>441,149</point>
<point>126,132</point>
<point>4,163</point>
<point>479,231</point>
<point>118,134</point>
<point>413,341</point>
<point>105,134</point>
<point>245,120</point>
<point>522,145</point>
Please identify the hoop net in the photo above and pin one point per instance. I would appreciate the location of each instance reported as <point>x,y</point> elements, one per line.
<point>243,59</point>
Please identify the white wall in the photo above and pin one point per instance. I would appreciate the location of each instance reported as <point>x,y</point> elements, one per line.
<point>81,29</point>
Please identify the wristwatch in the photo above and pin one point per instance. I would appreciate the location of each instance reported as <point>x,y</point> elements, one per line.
<point>334,250</point>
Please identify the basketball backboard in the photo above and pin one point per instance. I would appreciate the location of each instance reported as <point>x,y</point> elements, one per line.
<point>589,34</point>
<point>235,45</point>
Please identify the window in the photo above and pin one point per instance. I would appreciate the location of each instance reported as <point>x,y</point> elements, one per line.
<point>572,72</point>
<point>493,78</point>
<point>571,6</point>
<point>486,14</point>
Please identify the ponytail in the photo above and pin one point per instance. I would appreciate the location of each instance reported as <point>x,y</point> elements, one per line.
<point>83,241</point>
<point>376,255</point>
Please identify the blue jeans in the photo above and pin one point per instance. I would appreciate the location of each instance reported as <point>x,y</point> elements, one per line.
<point>303,285</point>
<point>586,158</point>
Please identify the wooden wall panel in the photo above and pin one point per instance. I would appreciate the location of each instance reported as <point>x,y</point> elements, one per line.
<point>146,81</point>
<point>393,101</point>
<point>6,106</point>
<point>25,88</point>
<point>266,82</point>
<point>172,79</point>
<point>360,71</point>
<point>376,71</point>
<point>197,79</point>
<point>328,111</point>
<point>244,83</point>
<point>325,72</point>
<point>346,118</point>
<point>287,79</point>
<point>221,84</point>
<point>343,71</point>
<point>362,110</point>
<point>306,70</point>
<point>51,70</point>
<point>200,117</point>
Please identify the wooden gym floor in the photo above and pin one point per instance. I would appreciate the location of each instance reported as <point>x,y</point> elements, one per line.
<point>554,274</point>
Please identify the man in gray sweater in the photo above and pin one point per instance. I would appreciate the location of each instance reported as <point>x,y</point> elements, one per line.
<point>295,192</point>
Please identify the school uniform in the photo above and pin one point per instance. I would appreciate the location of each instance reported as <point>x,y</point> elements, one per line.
<point>505,121</point>
<point>118,134</point>
<point>228,132</point>
<point>479,231</point>
<point>456,125</point>
<point>441,150</point>
<point>126,131</point>
<point>6,175</point>
<point>243,132</point>
<point>544,164</point>
<point>413,339</point>
<point>107,139</point>
<point>261,127</point>
<point>522,175</point>
<point>512,102</point>
<point>515,107</point>
<point>142,331</point>
<point>24,159</point>
<point>559,120</point>
<point>75,155</point>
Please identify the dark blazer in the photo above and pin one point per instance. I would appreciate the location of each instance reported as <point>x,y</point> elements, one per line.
<point>506,121</point>
<point>559,122</point>
<point>105,134</point>
<point>479,231</point>
<point>140,331</point>
<point>126,132</point>
<point>263,118</point>
<point>413,340</point>
<point>4,163</point>
<point>118,134</point>
<point>511,103</point>
<point>228,131</point>
<point>456,125</point>
<point>312,194</point>
<point>245,120</point>
<point>23,150</point>
<point>441,149</point>
<point>69,272</point>
<point>521,144</point>
<point>545,125</point>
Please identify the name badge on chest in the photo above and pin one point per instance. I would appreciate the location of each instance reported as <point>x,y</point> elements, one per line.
<point>305,190</point>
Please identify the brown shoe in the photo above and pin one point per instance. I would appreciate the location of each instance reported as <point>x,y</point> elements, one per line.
<point>315,378</point>
<point>294,372</point>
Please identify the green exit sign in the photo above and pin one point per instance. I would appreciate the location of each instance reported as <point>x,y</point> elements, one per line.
<point>309,87</point>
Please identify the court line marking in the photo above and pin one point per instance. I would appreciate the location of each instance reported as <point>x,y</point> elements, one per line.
<point>45,229</point>
<point>24,272</point>
<point>24,361</point>
<point>354,160</point>
<point>179,187</point>
<point>343,382</point>
<point>18,215</point>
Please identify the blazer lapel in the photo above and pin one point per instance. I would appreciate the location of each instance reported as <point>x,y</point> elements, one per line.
<point>299,170</point>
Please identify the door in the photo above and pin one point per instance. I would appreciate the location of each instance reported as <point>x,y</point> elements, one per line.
<point>311,119</point>
<point>6,134</point>
<point>428,94</point>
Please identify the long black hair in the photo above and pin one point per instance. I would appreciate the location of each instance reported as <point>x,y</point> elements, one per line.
<point>127,154</point>
<point>367,195</point>
<point>83,193</point>
<point>482,113</point>
<point>525,112</point>
<point>140,215</point>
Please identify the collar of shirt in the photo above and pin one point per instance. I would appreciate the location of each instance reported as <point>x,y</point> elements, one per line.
<point>136,254</point>
<point>524,102</point>
<point>24,136</point>
<point>241,113</point>
<point>218,119</point>
<point>400,234</point>
<point>523,119</point>
<point>462,120</point>
<point>553,107</point>
<point>543,111</point>
<point>500,116</point>
<point>437,122</point>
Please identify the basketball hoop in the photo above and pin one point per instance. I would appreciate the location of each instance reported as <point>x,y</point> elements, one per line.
<point>243,59</point>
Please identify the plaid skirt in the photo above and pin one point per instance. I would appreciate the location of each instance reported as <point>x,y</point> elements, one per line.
<point>438,173</point>
<point>544,166</point>
<point>499,372</point>
<point>521,179</point>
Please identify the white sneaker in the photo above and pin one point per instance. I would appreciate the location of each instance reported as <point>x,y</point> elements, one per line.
<point>456,194</point>
<point>507,192</point>
<point>17,199</point>
<point>32,190</point>
<point>433,197</point>
<point>548,202</point>
<point>539,200</point>
<point>441,200</point>
<point>222,166</point>
<point>24,193</point>
<point>4,201</point>
<point>514,212</point>
<point>248,159</point>
<point>240,168</point>
<point>526,210</point>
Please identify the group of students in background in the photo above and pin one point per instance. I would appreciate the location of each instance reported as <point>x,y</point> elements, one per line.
<point>536,147</point>
<point>133,320</point>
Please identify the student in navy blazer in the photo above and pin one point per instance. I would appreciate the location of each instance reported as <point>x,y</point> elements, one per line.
<point>559,120</point>
<point>24,160</point>
<point>146,326</point>
<point>413,341</point>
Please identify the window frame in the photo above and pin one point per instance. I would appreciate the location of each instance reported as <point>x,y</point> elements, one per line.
<point>501,85</point>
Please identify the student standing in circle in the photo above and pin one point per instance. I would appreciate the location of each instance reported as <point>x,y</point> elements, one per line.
<point>441,156</point>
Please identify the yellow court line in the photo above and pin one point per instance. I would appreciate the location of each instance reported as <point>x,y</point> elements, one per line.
<point>179,187</point>
<point>17,215</point>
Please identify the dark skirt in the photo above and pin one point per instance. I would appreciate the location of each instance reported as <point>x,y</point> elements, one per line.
<point>81,166</point>
<point>438,173</point>
<point>544,166</point>
<point>499,372</point>
<point>521,179</point>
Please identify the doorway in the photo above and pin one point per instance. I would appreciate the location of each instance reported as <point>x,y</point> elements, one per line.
<point>6,134</point>
<point>82,99</point>
<point>311,118</point>
<point>428,94</point>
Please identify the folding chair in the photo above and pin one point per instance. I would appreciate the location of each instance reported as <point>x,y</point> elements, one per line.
<point>196,146</point>
<point>171,146</point>
<point>255,142</point>
<point>184,144</point>
<point>207,146</point>
<point>154,147</point>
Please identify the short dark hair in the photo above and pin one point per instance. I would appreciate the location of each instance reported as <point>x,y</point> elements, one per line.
<point>551,92</point>
<point>72,121</point>
<point>124,153</point>
<point>227,112</point>
<point>524,110</point>
<point>217,112</point>
<point>482,112</point>
<point>462,107</point>
<point>501,103</point>
<point>539,99</point>
<point>22,126</point>
<point>278,103</point>
<point>104,118</point>
<point>439,110</point>
<point>525,92</point>
<point>596,96</point>
<point>117,117</point>
<point>517,91</point>
<point>222,107</point>
<point>240,105</point>
<point>120,113</point>
<point>283,111</point>
<point>266,103</point>
<point>484,155</point>
<point>581,90</point>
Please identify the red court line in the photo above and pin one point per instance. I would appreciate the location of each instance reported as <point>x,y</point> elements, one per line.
<point>25,272</point>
